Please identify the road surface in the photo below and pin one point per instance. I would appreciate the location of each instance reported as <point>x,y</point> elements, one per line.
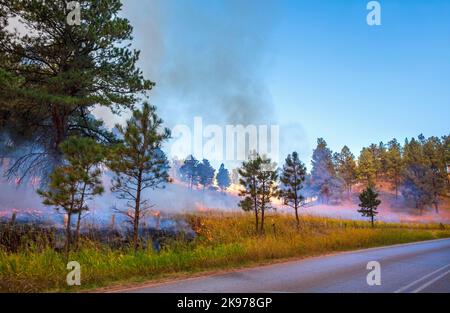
<point>410,268</point>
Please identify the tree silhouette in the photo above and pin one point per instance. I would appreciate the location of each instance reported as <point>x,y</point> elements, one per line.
<point>223,178</point>
<point>369,203</point>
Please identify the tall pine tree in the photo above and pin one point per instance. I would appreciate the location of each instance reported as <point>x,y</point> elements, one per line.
<point>394,164</point>
<point>346,168</point>
<point>324,181</point>
<point>57,73</point>
<point>258,179</point>
<point>206,174</point>
<point>292,179</point>
<point>139,163</point>
<point>223,178</point>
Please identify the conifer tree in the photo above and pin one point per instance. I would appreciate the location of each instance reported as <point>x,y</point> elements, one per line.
<point>258,179</point>
<point>206,174</point>
<point>57,73</point>
<point>346,168</point>
<point>394,164</point>
<point>323,173</point>
<point>139,163</point>
<point>369,203</point>
<point>416,175</point>
<point>292,180</point>
<point>75,182</point>
<point>367,168</point>
<point>190,171</point>
<point>223,178</point>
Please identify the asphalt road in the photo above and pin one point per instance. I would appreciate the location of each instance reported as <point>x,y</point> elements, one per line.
<point>410,268</point>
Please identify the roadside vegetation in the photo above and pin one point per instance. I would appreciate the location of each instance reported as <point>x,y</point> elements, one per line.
<point>223,241</point>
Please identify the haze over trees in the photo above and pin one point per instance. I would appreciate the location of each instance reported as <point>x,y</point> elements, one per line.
<point>323,180</point>
<point>425,176</point>
<point>418,170</point>
<point>53,76</point>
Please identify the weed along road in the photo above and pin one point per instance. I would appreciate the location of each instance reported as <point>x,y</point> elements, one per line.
<point>409,268</point>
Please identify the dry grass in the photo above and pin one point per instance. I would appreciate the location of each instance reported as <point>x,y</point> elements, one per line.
<point>224,241</point>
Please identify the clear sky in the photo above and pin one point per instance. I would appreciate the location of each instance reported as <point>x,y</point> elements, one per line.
<point>314,67</point>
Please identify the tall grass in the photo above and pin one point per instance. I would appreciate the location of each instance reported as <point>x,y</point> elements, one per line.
<point>223,241</point>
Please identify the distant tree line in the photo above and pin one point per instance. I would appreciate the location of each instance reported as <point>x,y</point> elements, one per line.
<point>419,170</point>
<point>202,175</point>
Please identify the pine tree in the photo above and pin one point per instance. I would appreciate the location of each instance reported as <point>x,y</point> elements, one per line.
<point>382,156</point>
<point>59,74</point>
<point>323,173</point>
<point>369,203</point>
<point>249,181</point>
<point>258,179</point>
<point>85,155</point>
<point>206,174</point>
<point>189,171</point>
<point>223,178</point>
<point>446,157</point>
<point>367,168</point>
<point>376,159</point>
<point>416,175</point>
<point>394,164</point>
<point>267,188</point>
<point>346,168</point>
<point>435,160</point>
<point>139,163</point>
<point>75,182</point>
<point>292,180</point>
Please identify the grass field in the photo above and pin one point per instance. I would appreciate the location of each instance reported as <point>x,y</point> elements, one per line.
<point>224,241</point>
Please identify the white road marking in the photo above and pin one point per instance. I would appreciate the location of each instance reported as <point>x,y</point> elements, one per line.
<point>421,279</point>
<point>430,282</point>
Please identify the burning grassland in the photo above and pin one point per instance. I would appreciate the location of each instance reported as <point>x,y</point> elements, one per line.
<point>222,240</point>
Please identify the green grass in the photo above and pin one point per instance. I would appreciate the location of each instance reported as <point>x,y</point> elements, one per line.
<point>225,241</point>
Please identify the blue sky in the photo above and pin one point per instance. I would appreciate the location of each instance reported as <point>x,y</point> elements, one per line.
<point>314,67</point>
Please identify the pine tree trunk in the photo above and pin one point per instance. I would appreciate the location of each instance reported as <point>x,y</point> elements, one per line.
<point>256,220</point>
<point>262,221</point>
<point>296,216</point>
<point>77,233</point>
<point>59,124</point>
<point>137,213</point>
<point>436,205</point>
<point>68,234</point>
<point>255,205</point>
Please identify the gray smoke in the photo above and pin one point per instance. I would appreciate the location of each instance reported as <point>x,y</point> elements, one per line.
<point>207,61</point>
